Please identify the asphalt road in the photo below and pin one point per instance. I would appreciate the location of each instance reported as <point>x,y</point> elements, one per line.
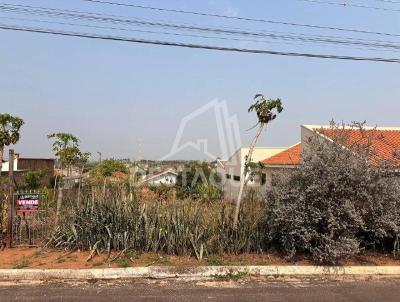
<point>243,290</point>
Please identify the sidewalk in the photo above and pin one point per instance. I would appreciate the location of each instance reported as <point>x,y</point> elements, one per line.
<point>200,272</point>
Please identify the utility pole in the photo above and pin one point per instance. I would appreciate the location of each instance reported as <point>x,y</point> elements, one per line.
<point>10,196</point>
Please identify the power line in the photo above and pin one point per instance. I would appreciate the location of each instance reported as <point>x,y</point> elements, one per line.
<point>177,34</point>
<point>193,46</point>
<point>388,1</point>
<point>345,4</point>
<point>143,31</point>
<point>197,13</point>
<point>99,17</point>
<point>260,35</point>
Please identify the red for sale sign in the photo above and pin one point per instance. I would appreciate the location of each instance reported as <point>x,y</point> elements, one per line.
<point>27,203</point>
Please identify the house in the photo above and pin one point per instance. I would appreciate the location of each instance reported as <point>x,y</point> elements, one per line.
<point>22,165</point>
<point>163,178</point>
<point>219,166</point>
<point>385,141</point>
<point>231,170</point>
<point>280,162</point>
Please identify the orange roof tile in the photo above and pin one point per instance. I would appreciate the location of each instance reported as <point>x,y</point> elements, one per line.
<point>384,142</point>
<point>289,157</point>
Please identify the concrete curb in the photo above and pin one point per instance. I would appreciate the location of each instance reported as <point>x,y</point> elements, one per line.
<point>200,272</point>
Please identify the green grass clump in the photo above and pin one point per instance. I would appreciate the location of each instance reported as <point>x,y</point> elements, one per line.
<point>156,259</point>
<point>23,263</point>
<point>215,260</point>
<point>123,262</point>
<point>231,276</point>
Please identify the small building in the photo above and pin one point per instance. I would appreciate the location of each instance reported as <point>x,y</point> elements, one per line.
<point>281,162</point>
<point>163,178</point>
<point>231,170</point>
<point>23,165</point>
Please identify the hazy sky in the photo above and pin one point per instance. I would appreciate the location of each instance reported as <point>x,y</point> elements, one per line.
<point>127,100</point>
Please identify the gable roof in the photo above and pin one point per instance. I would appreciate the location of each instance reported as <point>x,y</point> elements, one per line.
<point>149,177</point>
<point>288,157</point>
<point>385,142</point>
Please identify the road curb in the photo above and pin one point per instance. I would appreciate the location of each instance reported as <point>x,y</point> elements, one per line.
<point>194,272</point>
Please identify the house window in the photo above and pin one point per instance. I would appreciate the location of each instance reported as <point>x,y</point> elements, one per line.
<point>263,179</point>
<point>228,176</point>
<point>236,178</point>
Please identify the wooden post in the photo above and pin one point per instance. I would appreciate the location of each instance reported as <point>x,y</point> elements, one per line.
<point>10,196</point>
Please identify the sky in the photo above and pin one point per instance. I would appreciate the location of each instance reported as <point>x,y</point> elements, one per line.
<point>127,100</point>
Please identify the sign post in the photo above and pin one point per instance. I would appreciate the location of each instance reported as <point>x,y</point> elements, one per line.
<point>30,222</point>
<point>27,203</point>
<point>10,196</point>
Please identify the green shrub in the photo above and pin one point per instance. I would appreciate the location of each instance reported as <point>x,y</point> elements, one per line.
<point>32,180</point>
<point>198,181</point>
<point>209,192</point>
<point>335,203</point>
<point>24,263</point>
<point>215,260</point>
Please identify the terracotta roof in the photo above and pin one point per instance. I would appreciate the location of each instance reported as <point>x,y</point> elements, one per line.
<point>151,176</point>
<point>289,157</point>
<point>384,142</point>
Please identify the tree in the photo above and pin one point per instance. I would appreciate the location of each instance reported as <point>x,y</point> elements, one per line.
<point>66,148</point>
<point>107,168</point>
<point>195,179</point>
<point>266,110</point>
<point>82,162</point>
<point>32,179</point>
<point>9,131</point>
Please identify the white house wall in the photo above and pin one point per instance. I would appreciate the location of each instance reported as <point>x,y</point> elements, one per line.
<point>169,179</point>
<point>5,166</point>
<point>235,167</point>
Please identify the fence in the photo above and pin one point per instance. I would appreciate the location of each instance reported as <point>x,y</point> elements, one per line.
<point>2,221</point>
<point>31,222</point>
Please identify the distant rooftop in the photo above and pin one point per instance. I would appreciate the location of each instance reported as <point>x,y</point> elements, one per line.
<point>288,157</point>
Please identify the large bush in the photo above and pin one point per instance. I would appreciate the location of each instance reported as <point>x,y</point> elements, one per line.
<point>198,180</point>
<point>336,203</point>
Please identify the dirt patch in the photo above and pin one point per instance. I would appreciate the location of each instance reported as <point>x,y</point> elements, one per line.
<point>372,259</point>
<point>38,258</point>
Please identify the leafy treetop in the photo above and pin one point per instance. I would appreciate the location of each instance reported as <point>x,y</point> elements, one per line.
<point>63,140</point>
<point>9,129</point>
<point>266,109</point>
<point>66,148</point>
<point>109,166</point>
